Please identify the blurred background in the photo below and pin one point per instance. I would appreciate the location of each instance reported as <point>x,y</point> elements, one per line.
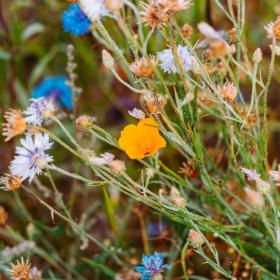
<point>33,46</point>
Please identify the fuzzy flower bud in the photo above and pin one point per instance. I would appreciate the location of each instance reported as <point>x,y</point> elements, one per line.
<point>257,56</point>
<point>195,238</point>
<point>108,60</point>
<point>117,166</point>
<point>254,198</point>
<point>84,123</point>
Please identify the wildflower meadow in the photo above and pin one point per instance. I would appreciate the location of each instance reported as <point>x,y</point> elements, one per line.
<point>140,139</point>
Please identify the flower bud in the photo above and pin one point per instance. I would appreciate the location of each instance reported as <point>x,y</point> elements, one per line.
<point>84,123</point>
<point>257,56</point>
<point>108,60</point>
<point>117,166</point>
<point>254,198</point>
<point>195,238</point>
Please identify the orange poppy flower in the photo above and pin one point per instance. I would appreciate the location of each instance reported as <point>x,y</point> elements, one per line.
<point>141,140</point>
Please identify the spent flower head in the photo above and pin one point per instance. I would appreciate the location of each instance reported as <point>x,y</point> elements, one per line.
<point>31,157</point>
<point>152,266</point>
<point>14,124</point>
<point>10,182</point>
<point>20,270</point>
<point>143,67</point>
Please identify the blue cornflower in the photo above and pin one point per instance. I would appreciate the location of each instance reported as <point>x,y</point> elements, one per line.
<point>152,265</point>
<point>75,21</point>
<point>56,89</point>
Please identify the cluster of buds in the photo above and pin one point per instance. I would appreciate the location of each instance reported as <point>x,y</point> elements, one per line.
<point>155,103</point>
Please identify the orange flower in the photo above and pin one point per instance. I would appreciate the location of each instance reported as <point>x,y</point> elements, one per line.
<point>142,140</point>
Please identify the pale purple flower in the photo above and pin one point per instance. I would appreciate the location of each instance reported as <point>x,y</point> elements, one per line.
<point>39,110</point>
<point>168,62</point>
<point>31,158</point>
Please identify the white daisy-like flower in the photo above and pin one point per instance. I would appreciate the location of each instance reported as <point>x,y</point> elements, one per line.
<point>168,62</point>
<point>104,159</point>
<point>252,175</point>
<point>94,9</point>
<point>31,158</point>
<point>39,110</point>
<point>137,113</point>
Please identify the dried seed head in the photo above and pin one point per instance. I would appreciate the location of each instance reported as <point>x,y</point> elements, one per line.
<point>273,29</point>
<point>153,14</point>
<point>254,198</point>
<point>195,238</point>
<point>15,124</point>
<point>10,182</point>
<point>20,270</point>
<point>113,5</point>
<point>155,103</point>
<point>108,60</point>
<point>228,92</point>
<point>219,48</point>
<point>187,31</point>
<point>3,216</point>
<point>84,123</point>
<point>143,67</point>
<point>117,166</point>
<point>232,36</point>
<point>173,6</point>
<point>189,170</point>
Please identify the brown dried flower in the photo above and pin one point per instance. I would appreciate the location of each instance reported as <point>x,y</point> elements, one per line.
<point>3,216</point>
<point>10,182</point>
<point>228,91</point>
<point>143,67</point>
<point>14,125</point>
<point>155,103</point>
<point>20,270</point>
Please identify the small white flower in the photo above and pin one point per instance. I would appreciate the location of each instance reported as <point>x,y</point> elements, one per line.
<point>31,158</point>
<point>168,62</point>
<point>94,9</point>
<point>136,113</point>
<point>252,175</point>
<point>40,109</point>
<point>104,159</point>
